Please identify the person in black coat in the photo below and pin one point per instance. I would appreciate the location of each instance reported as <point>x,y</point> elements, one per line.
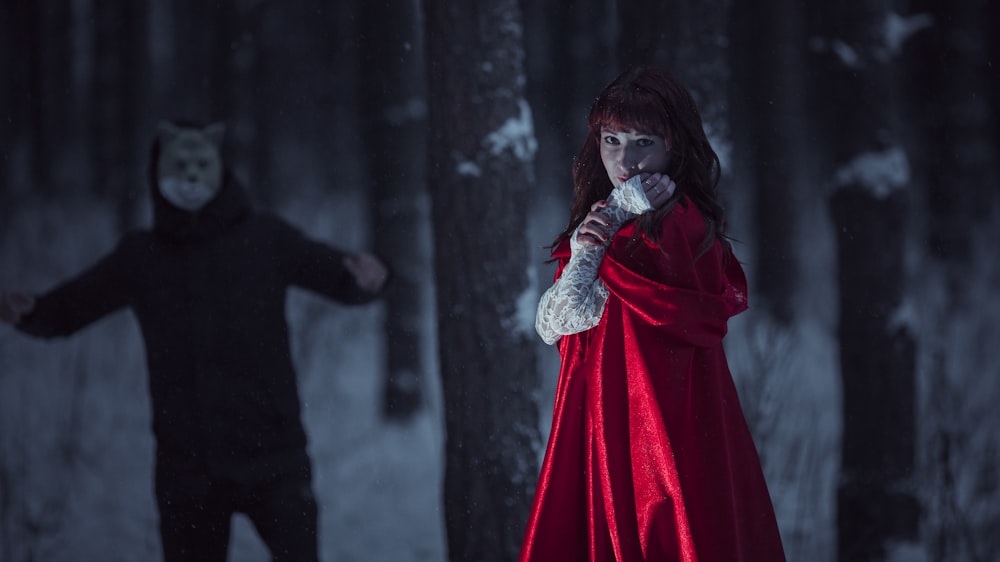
<point>208,285</point>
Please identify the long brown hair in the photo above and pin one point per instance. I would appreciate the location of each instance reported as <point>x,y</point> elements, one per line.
<point>649,100</point>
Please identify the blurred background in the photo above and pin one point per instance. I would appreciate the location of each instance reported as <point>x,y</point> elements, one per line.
<point>860,144</point>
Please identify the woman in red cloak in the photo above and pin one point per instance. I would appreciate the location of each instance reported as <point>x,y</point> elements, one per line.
<point>649,457</point>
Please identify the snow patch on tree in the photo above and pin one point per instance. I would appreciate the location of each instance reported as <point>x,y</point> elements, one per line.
<point>468,168</point>
<point>522,321</point>
<point>516,134</point>
<point>899,28</point>
<point>905,317</point>
<point>896,30</point>
<point>847,54</point>
<point>881,173</point>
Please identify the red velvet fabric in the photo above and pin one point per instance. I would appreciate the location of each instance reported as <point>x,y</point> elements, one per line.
<point>649,457</point>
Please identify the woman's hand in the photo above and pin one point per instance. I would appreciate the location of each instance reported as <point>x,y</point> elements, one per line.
<point>658,188</point>
<point>596,226</point>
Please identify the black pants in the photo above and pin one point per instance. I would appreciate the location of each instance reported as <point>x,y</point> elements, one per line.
<point>196,511</point>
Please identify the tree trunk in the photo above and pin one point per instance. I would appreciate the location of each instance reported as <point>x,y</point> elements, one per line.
<point>118,155</point>
<point>767,90</point>
<point>481,151</point>
<point>195,71</point>
<point>160,42</point>
<point>394,105</point>
<point>648,31</point>
<point>955,136</point>
<point>854,95</point>
<point>23,169</point>
<point>549,33</point>
<point>580,33</point>
<point>53,116</point>
<point>878,360</point>
<point>240,92</point>
<point>955,148</point>
<point>987,28</point>
<point>688,39</point>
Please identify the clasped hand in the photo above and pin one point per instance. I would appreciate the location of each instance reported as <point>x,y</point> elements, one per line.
<point>597,227</point>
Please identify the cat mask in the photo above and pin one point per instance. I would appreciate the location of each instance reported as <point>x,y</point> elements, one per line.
<point>189,169</point>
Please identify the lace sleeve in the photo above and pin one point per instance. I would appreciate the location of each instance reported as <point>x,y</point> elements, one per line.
<point>575,303</point>
<point>630,199</point>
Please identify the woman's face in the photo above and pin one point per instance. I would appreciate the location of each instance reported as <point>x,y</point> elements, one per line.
<point>626,153</point>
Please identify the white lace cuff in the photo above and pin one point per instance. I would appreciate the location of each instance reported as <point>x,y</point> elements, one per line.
<point>630,197</point>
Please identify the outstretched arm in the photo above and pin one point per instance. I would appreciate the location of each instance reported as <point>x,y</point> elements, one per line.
<point>75,303</point>
<point>348,278</point>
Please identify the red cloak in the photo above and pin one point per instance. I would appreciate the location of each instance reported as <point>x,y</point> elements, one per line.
<point>649,457</point>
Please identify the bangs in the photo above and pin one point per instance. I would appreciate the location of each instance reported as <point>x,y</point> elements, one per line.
<point>631,109</point>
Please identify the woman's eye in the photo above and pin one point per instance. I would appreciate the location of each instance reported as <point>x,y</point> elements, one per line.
<point>610,140</point>
<point>644,142</point>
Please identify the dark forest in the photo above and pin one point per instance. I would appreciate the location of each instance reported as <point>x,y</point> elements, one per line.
<point>860,145</point>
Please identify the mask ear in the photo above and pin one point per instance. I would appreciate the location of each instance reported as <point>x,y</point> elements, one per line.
<point>215,132</point>
<point>166,132</point>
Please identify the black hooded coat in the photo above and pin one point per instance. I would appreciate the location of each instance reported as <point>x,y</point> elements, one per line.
<point>208,290</point>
